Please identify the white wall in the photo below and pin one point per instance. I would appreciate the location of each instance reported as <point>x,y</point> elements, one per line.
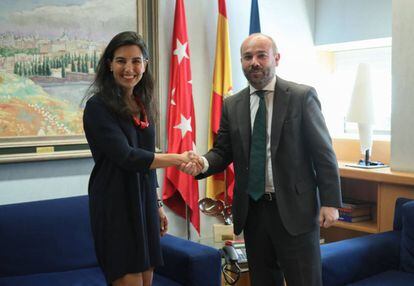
<point>352,20</point>
<point>402,150</point>
<point>33,181</point>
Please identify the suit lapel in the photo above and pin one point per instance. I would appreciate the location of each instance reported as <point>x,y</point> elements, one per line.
<point>129,130</point>
<point>280,105</point>
<point>243,113</point>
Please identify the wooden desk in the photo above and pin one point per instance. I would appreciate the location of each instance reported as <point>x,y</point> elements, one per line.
<point>243,281</point>
<point>380,186</point>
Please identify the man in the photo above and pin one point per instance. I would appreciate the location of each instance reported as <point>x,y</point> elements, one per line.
<point>285,168</point>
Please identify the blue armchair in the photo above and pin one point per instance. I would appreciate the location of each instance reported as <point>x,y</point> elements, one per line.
<point>49,243</point>
<point>377,259</point>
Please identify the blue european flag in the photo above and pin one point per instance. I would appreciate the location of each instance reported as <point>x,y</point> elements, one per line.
<point>254,18</point>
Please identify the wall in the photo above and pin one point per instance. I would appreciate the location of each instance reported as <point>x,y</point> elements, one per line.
<point>352,20</point>
<point>35,181</point>
<point>402,151</point>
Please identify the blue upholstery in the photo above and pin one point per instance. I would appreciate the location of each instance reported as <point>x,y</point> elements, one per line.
<point>388,278</point>
<point>407,238</point>
<point>162,280</point>
<point>190,256</point>
<point>49,243</point>
<point>376,259</point>
<point>80,277</point>
<point>398,218</point>
<point>45,236</point>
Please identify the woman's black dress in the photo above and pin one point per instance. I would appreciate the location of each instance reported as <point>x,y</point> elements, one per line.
<point>122,192</point>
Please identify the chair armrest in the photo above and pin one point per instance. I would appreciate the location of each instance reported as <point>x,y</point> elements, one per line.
<point>353,259</point>
<point>190,263</point>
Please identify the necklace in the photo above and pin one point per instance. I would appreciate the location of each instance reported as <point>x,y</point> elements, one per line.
<point>142,121</point>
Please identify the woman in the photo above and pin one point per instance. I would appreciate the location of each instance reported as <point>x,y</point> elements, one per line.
<point>126,216</point>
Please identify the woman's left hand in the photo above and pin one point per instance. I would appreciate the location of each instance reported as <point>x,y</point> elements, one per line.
<point>163,221</point>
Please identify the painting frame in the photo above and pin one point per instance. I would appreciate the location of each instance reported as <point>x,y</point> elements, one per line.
<point>40,148</point>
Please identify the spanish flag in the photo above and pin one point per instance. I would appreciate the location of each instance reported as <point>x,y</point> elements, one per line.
<point>222,87</point>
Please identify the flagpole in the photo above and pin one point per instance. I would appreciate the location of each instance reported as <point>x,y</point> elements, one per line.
<point>187,221</point>
<point>225,188</point>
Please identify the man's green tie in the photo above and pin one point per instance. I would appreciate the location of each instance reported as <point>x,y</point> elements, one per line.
<point>257,168</point>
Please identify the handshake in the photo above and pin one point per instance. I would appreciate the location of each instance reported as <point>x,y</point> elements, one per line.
<point>191,163</point>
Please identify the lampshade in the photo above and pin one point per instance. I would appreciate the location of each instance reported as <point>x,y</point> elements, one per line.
<point>361,109</point>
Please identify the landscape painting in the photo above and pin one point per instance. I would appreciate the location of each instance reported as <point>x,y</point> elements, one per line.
<point>49,50</point>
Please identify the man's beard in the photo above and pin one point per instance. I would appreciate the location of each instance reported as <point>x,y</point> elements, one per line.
<point>261,79</point>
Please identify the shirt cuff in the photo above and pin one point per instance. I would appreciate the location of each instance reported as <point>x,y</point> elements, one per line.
<point>206,165</point>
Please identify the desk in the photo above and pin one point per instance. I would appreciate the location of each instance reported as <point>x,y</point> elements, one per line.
<point>243,281</point>
<point>380,186</point>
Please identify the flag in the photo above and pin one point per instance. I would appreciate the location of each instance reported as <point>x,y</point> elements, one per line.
<point>181,189</point>
<point>222,87</point>
<point>254,18</point>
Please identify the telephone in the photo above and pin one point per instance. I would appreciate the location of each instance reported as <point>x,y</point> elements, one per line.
<point>234,255</point>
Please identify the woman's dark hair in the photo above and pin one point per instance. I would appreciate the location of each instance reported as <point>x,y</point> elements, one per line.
<point>108,90</point>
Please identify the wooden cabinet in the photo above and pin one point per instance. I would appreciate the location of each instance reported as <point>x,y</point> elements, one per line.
<point>380,186</point>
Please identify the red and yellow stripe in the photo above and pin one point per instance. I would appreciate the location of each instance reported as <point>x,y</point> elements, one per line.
<point>222,87</point>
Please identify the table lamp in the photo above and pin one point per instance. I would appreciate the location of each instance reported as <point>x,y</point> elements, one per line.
<point>361,111</point>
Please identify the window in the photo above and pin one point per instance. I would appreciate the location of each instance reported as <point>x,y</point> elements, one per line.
<point>336,88</point>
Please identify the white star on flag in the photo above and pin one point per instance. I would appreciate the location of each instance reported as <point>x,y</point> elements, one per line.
<point>180,51</point>
<point>185,125</point>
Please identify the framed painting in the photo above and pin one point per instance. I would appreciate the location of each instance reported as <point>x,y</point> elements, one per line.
<point>49,50</point>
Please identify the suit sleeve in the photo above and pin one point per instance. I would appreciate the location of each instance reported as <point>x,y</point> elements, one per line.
<point>220,156</point>
<point>105,135</point>
<point>322,153</point>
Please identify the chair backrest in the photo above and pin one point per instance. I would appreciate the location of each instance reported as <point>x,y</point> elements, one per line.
<point>407,238</point>
<point>398,213</point>
<point>45,236</point>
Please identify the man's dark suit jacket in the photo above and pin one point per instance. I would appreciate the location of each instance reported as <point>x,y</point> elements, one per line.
<point>305,169</point>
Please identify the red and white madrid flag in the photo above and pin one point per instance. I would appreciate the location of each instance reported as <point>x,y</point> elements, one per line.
<point>181,189</point>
